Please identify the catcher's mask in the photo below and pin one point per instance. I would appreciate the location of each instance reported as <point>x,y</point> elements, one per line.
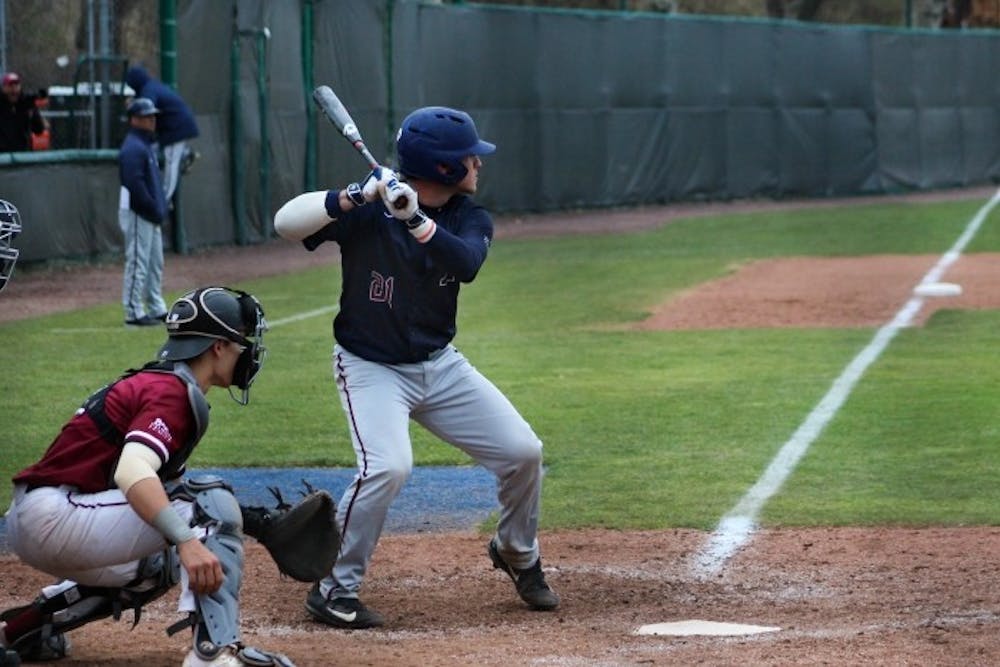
<point>433,139</point>
<point>10,227</point>
<point>207,314</point>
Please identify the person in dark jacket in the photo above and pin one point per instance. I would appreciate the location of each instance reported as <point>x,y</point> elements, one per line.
<point>175,126</point>
<point>142,208</point>
<point>19,116</point>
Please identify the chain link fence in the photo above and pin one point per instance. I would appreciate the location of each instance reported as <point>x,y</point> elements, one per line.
<point>72,56</point>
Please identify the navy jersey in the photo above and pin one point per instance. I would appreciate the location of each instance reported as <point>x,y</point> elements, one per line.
<point>400,297</point>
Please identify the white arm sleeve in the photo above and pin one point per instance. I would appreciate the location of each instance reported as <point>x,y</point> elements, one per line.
<point>302,216</point>
<point>136,462</point>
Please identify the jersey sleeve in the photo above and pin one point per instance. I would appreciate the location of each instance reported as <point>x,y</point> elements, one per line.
<point>463,252</point>
<point>163,421</point>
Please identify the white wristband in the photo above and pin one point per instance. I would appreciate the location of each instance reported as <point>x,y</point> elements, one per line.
<point>172,526</point>
<point>424,231</point>
<point>421,227</point>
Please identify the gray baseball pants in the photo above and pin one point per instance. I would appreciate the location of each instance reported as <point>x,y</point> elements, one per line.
<point>451,399</point>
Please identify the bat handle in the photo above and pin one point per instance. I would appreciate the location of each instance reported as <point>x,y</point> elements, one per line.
<point>373,163</point>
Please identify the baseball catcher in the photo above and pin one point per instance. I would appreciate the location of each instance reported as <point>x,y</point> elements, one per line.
<point>109,511</point>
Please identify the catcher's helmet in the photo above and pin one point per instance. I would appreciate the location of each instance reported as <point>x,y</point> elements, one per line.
<point>207,314</point>
<point>434,137</point>
<point>10,226</point>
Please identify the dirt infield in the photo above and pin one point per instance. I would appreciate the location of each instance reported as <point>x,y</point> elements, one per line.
<point>841,597</point>
<point>846,596</point>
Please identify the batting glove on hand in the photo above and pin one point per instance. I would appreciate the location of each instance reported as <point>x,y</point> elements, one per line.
<point>369,192</point>
<point>378,175</point>
<point>399,198</point>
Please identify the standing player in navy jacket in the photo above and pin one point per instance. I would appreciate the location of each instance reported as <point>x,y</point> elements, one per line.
<point>141,211</point>
<point>175,126</point>
<point>393,359</point>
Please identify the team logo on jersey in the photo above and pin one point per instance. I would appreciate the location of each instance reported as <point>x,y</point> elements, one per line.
<point>160,428</point>
<point>380,288</point>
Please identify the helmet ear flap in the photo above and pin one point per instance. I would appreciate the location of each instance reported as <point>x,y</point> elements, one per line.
<point>249,311</point>
<point>452,173</point>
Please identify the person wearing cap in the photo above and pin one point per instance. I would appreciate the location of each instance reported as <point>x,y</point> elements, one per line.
<point>111,511</point>
<point>19,117</point>
<point>142,208</point>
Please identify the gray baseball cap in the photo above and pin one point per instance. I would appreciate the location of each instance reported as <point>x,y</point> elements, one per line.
<point>142,106</point>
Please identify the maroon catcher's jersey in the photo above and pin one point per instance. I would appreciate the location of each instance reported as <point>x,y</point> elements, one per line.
<point>149,408</point>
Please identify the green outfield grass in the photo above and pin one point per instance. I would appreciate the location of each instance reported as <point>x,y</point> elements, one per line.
<point>641,429</point>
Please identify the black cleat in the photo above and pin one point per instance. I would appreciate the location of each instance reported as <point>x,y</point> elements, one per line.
<point>530,582</point>
<point>33,647</point>
<point>348,613</point>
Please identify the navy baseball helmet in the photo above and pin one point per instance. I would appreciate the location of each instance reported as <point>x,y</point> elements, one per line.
<point>433,141</point>
<point>202,316</point>
<point>142,106</point>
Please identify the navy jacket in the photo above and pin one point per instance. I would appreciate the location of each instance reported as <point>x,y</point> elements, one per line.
<point>140,174</point>
<point>176,121</point>
<point>399,298</point>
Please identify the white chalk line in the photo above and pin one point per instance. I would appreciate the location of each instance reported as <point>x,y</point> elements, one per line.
<point>270,323</point>
<point>302,316</point>
<point>737,525</point>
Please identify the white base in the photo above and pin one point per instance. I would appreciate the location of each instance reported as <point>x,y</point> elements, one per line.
<point>696,627</point>
<point>937,289</point>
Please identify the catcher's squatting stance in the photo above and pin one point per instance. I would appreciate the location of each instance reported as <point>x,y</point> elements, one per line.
<point>109,512</point>
<point>405,248</point>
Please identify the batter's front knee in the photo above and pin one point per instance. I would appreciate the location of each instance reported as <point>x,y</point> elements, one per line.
<point>525,450</point>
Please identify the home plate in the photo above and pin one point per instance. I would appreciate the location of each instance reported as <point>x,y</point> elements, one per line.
<point>696,627</point>
<point>937,289</point>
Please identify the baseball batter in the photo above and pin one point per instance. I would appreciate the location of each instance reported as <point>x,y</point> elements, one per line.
<point>106,508</point>
<point>406,247</point>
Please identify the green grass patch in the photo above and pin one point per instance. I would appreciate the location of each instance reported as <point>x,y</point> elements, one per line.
<point>642,429</point>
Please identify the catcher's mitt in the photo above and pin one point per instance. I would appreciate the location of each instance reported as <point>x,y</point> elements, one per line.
<point>302,539</point>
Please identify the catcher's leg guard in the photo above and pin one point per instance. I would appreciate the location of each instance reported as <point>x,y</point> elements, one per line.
<point>67,605</point>
<point>216,620</point>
